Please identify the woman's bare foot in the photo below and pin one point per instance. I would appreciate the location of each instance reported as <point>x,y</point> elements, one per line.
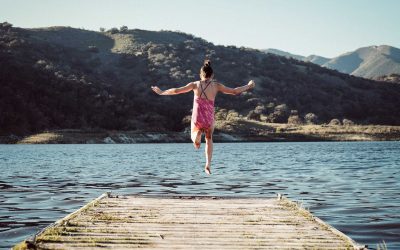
<point>207,169</point>
<point>196,145</point>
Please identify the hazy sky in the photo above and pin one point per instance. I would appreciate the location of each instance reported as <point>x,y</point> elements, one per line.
<point>322,27</point>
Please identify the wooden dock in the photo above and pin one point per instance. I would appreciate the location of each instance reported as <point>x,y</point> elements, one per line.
<point>189,222</point>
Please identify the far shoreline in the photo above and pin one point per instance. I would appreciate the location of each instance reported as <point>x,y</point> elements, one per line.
<point>252,132</point>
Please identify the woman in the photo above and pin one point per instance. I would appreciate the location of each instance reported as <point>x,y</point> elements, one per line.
<point>205,92</point>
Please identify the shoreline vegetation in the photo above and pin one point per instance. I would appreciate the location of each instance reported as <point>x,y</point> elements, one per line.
<point>227,131</point>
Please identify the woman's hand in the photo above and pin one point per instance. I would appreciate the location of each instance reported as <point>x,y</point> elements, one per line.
<point>251,84</point>
<point>156,89</point>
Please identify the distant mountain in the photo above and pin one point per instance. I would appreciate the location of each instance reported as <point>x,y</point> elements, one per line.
<point>320,60</point>
<point>368,62</point>
<point>62,77</point>
<point>311,58</point>
<point>284,53</point>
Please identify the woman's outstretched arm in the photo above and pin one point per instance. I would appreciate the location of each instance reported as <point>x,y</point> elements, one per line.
<point>174,91</point>
<point>235,91</point>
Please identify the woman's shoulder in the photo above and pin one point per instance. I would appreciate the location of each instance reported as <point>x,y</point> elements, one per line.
<point>216,83</point>
<point>195,84</point>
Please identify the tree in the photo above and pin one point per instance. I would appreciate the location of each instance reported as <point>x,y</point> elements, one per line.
<point>5,26</point>
<point>123,28</point>
<point>334,122</point>
<point>113,30</point>
<point>347,122</point>
<point>102,29</point>
<point>260,109</point>
<point>253,116</point>
<point>311,118</point>
<point>295,119</point>
<point>280,114</point>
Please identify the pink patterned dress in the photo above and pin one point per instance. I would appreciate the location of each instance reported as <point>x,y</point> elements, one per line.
<point>203,111</point>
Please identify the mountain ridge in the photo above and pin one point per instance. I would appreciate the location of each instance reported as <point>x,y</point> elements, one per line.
<point>368,62</point>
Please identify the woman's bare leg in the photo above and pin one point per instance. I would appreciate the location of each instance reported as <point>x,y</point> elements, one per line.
<point>208,150</point>
<point>195,136</point>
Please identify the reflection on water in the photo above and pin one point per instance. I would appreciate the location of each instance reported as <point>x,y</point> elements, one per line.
<point>354,186</point>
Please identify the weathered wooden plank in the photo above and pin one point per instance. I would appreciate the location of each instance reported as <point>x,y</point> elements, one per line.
<point>190,222</point>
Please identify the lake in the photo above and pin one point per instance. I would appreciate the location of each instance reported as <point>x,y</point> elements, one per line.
<point>354,186</point>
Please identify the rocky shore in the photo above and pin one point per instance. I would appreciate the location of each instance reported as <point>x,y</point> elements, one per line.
<point>254,132</point>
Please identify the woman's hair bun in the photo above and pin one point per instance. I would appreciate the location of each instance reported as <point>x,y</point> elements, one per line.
<point>206,71</point>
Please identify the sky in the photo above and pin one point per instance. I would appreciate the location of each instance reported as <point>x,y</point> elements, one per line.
<point>322,27</point>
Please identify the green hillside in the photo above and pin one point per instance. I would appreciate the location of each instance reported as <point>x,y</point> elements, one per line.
<point>62,77</point>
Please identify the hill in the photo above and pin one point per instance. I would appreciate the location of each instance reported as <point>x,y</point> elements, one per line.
<point>320,60</point>
<point>284,53</point>
<point>62,77</point>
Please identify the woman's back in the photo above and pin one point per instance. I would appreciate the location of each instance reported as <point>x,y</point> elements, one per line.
<point>206,89</point>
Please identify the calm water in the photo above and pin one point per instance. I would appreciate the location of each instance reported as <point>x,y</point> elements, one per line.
<point>354,186</point>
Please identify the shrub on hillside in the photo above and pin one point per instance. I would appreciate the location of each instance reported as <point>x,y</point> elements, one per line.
<point>295,119</point>
<point>311,118</point>
<point>220,114</point>
<point>260,109</point>
<point>347,122</point>
<point>270,107</point>
<point>186,120</point>
<point>252,115</point>
<point>282,108</point>
<point>334,122</point>
<point>232,115</point>
<point>123,28</point>
<point>113,30</point>
<point>5,26</point>
<point>280,114</point>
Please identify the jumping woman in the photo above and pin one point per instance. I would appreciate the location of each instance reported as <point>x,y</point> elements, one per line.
<point>205,92</point>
